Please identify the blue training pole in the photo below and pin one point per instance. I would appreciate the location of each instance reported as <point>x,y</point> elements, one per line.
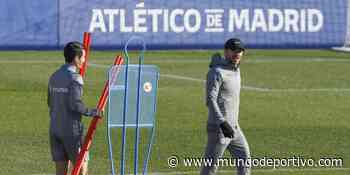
<point>138,100</point>
<point>125,110</point>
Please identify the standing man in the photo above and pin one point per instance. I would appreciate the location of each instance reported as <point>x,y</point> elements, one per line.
<point>223,90</point>
<point>65,90</point>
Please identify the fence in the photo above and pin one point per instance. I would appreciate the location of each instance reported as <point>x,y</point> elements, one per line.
<point>176,24</point>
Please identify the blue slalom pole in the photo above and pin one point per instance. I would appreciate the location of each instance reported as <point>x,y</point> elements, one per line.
<point>138,104</point>
<point>110,151</point>
<point>145,163</point>
<point>125,110</point>
<point>145,167</point>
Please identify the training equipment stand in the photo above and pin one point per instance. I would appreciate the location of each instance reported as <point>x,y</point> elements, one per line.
<point>131,109</point>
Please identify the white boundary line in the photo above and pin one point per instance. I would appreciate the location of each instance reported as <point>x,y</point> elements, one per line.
<point>178,77</point>
<point>295,60</point>
<point>203,81</point>
<point>311,90</point>
<point>31,61</point>
<point>247,87</point>
<point>259,89</point>
<point>202,60</point>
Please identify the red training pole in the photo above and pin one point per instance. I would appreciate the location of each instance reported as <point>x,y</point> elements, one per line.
<point>93,124</point>
<point>86,44</point>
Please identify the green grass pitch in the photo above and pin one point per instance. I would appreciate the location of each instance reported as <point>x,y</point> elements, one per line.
<point>296,104</point>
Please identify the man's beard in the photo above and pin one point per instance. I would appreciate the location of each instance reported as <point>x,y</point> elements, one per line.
<point>235,65</point>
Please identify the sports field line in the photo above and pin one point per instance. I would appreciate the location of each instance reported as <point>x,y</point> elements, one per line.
<point>253,60</point>
<point>31,61</point>
<point>295,60</point>
<point>253,171</point>
<point>260,89</point>
<point>178,77</point>
<point>247,87</point>
<point>203,81</point>
<point>194,60</point>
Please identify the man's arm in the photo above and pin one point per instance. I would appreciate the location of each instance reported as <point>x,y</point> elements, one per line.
<point>75,102</point>
<point>214,82</point>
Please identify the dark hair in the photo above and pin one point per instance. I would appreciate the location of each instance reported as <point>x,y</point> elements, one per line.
<point>234,44</point>
<point>71,50</point>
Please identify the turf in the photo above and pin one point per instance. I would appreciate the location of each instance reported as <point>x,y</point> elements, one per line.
<point>276,122</point>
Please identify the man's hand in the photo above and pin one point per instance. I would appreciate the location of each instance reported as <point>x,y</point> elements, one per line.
<point>227,129</point>
<point>95,113</point>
